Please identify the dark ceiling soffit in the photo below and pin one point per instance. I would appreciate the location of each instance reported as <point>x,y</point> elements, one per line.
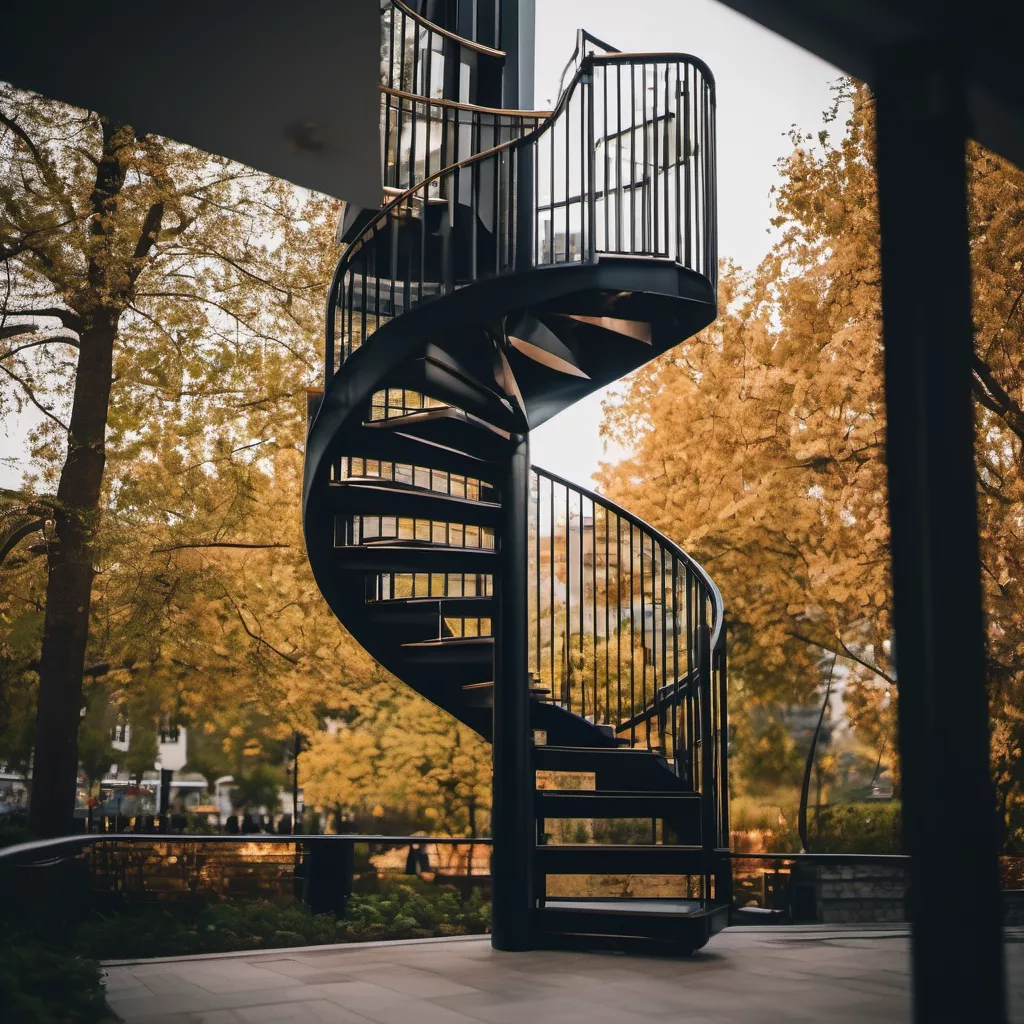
<point>290,89</point>
<point>850,33</point>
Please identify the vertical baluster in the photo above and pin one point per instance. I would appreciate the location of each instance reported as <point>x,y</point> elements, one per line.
<point>618,625</point>
<point>691,684</point>
<point>551,135</point>
<point>645,194</point>
<point>582,605</point>
<point>607,630</point>
<point>674,744</point>
<point>654,155</point>
<point>593,595</point>
<point>678,169</point>
<point>620,140</point>
<point>643,639</point>
<point>568,603</point>
<point>723,730</point>
<point>632,160</point>
<point>551,583</point>
<point>605,142</point>
<point>632,643</point>
<point>568,121</point>
<point>665,165</point>
<point>689,150</point>
<point>537,478</point>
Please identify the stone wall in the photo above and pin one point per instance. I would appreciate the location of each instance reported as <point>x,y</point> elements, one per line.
<point>861,892</point>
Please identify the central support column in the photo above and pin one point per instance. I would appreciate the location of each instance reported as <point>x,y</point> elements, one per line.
<point>512,819</point>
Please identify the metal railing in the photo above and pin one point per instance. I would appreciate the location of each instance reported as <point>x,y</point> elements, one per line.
<point>424,135</point>
<point>628,631</point>
<point>74,877</point>
<point>625,165</point>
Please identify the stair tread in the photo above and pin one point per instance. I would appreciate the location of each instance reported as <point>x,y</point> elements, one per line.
<point>600,751</point>
<point>598,794</point>
<point>437,415</point>
<point>398,487</point>
<point>384,498</point>
<point>662,907</point>
<point>450,606</point>
<point>410,450</point>
<point>665,848</point>
<point>453,641</point>
<point>415,556</point>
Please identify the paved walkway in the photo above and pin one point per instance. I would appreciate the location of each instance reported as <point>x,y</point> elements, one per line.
<point>744,976</point>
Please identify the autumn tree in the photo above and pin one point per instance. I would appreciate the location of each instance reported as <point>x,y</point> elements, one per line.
<point>761,442</point>
<point>155,299</point>
<point>398,751</point>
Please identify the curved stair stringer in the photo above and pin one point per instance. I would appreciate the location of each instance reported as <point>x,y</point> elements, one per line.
<point>472,318</point>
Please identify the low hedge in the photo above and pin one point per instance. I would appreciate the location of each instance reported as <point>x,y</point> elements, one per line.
<point>403,909</point>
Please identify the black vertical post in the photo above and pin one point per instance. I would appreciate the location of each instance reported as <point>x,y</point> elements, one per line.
<point>512,821</point>
<point>166,776</point>
<point>295,783</point>
<point>940,659</point>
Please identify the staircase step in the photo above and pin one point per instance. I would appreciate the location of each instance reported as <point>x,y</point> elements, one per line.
<point>610,859</point>
<point>391,446</point>
<point>452,428</point>
<point>394,499</point>
<point>452,651</point>
<point>429,377</point>
<point>680,925</point>
<point>616,768</point>
<point>417,608</point>
<point>679,807</point>
<point>399,557</point>
<point>481,695</point>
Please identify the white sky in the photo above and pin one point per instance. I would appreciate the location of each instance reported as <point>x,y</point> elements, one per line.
<point>765,85</point>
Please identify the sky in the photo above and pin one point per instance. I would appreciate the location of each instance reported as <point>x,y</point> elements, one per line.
<point>765,85</point>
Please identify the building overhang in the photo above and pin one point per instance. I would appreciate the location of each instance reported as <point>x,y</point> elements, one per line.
<point>289,89</point>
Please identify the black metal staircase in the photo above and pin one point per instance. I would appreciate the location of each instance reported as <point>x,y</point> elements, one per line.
<point>523,260</point>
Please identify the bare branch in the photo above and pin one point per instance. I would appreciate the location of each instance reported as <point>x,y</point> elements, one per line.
<point>215,544</point>
<point>32,398</point>
<point>255,636</point>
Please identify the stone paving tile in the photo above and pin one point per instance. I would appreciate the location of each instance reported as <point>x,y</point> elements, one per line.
<point>229,976</point>
<point>745,976</point>
<point>414,982</point>
<point>308,1011</point>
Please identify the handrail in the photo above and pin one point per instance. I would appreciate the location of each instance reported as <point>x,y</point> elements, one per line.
<point>469,44</point>
<point>19,850</point>
<point>475,108</point>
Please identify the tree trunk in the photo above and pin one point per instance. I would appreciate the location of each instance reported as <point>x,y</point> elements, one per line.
<point>70,562</point>
<point>69,591</point>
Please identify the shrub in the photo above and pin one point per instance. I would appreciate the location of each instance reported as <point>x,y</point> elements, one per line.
<point>40,984</point>
<point>401,908</point>
<point>869,827</point>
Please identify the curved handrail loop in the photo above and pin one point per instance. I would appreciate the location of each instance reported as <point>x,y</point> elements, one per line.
<point>601,175</point>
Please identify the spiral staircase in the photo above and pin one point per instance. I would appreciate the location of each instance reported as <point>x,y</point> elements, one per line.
<point>521,260</point>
